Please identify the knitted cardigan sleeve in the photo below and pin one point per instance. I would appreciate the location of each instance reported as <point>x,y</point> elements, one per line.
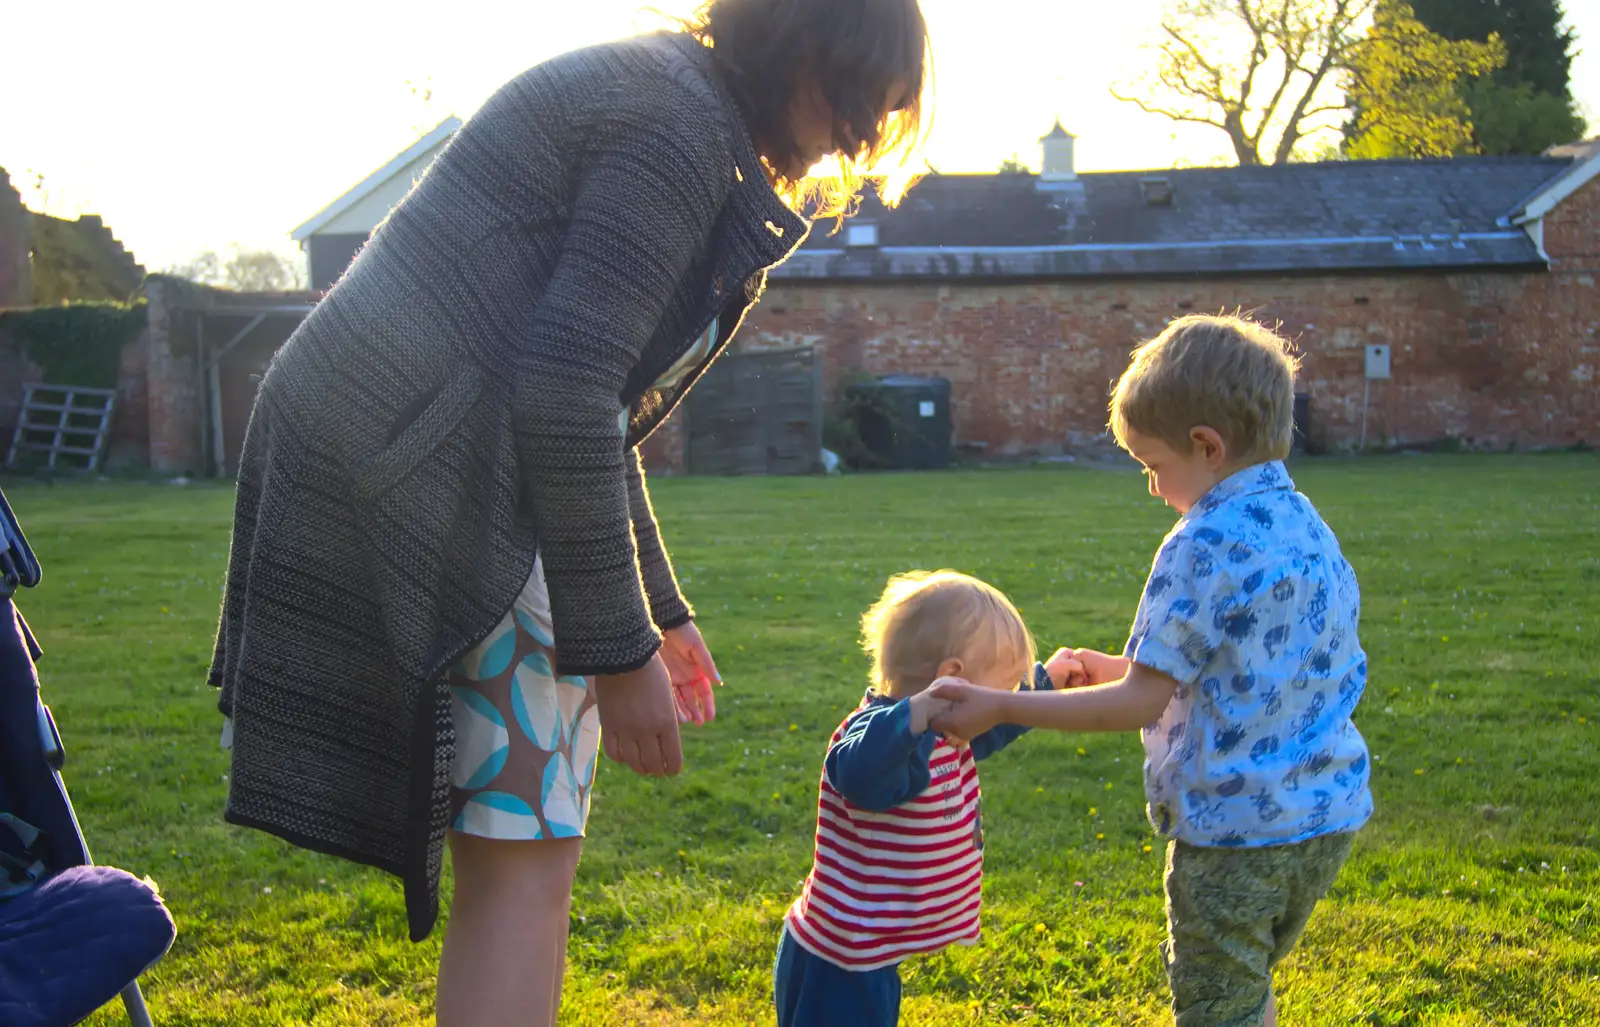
<point>667,605</point>
<point>655,173</point>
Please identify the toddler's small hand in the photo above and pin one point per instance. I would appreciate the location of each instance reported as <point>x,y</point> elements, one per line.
<point>924,708</point>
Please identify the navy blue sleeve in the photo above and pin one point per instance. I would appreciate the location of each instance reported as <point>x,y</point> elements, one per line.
<point>1002,735</point>
<point>878,764</point>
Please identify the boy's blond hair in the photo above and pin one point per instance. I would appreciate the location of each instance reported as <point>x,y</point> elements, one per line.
<point>1227,373</point>
<point>923,619</point>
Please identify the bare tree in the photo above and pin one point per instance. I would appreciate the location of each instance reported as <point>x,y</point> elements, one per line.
<point>1273,96</point>
<point>244,271</point>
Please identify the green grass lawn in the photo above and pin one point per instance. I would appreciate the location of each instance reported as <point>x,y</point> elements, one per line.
<point>1471,898</point>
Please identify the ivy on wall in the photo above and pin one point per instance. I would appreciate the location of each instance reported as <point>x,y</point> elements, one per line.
<point>75,343</point>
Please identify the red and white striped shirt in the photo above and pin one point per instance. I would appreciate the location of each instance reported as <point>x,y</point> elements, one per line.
<point>902,882</point>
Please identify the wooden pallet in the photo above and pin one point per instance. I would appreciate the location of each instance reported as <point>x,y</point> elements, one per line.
<point>63,421</point>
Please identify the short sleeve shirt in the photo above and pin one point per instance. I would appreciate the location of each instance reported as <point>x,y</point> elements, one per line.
<point>1252,608</point>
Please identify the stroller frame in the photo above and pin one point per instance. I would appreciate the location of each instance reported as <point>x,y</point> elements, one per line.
<point>20,569</point>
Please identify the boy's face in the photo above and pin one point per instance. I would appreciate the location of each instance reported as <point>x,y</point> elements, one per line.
<point>1180,479</point>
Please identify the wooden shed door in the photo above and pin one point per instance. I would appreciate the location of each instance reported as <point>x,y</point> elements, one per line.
<point>756,413</point>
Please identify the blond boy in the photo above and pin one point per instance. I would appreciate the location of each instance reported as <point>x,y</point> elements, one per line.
<point>898,867</point>
<point>1242,668</point>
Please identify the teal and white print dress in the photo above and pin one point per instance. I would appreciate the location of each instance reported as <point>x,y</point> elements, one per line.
<point>527,741</point>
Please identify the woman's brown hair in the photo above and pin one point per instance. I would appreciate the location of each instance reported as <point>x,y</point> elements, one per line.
<point>862,53</point>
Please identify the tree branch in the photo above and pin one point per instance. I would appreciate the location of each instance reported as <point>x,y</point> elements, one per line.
<point>1194,52</point>
<point>1164,112</point>
<point>1336,47</point>
<point>1216,83</point>
<point>1258,57</point>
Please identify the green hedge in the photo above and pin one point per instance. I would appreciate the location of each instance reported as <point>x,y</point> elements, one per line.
<point>76,343</point>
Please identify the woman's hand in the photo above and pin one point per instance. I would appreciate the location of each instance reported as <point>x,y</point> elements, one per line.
<point>638,725</point>
<point>693,673</point>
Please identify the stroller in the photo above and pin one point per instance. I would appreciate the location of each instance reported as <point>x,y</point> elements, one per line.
<point>72,935</point>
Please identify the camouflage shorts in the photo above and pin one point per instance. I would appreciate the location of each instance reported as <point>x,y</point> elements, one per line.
<point>1232,914</point>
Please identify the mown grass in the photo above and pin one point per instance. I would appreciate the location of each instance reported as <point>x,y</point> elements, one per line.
<point>1471,898</point>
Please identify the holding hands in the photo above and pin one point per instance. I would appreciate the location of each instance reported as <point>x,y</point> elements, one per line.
<point>966,711</point>
<point>1096,668</point>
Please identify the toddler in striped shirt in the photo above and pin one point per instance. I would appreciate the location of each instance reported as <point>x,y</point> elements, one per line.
<point>898,869</point>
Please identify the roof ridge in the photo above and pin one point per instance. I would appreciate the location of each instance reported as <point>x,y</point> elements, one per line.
<point>362,189</point>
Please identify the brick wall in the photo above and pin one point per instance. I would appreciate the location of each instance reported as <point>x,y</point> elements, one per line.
<point>80,260</point>
<point>16,370</point>
<point>129,445</point>
<point>175,403</point>
<point>1494,360</point>
<point>1572,230</point>
<point>173,387</point>
<point>16,283</point>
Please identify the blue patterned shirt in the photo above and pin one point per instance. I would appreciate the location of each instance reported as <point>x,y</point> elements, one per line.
<point>1252,608</point>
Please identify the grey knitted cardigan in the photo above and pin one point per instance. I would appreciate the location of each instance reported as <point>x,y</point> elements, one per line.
<point>457,403</point>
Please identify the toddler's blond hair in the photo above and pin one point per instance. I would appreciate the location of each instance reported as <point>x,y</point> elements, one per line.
<point>923,619</point>
<point>1227,373</point>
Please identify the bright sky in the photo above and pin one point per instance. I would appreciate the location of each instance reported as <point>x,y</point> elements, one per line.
<point>194,124</point>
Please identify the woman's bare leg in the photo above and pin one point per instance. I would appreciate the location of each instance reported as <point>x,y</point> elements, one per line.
<point>505,946</point>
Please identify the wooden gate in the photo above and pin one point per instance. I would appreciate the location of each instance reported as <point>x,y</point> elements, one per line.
<point>68,424</point>
<point>756,413</point>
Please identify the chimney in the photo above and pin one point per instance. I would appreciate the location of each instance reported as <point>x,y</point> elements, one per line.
<point>1057,147</point>
<point>1156,190</point>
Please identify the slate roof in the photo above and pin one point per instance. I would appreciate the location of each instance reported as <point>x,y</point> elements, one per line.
<point>1335,216</point>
